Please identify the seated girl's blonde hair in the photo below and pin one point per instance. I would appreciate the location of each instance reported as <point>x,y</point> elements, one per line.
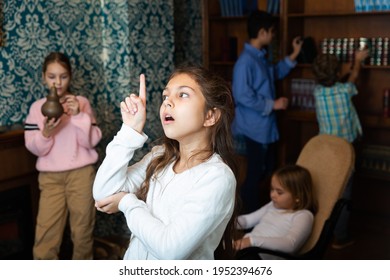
<point>297,180</point>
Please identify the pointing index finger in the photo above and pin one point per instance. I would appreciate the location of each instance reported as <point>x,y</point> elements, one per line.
<point>142,87</point>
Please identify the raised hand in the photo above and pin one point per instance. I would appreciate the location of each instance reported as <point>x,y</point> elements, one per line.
<point>361,55</point>
<point>49,126</point>
<point>297,45</point>
<point>133,108</point>
<point>72,105</point>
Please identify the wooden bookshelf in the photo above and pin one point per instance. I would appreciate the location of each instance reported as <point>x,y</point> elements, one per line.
<point>319,19</point>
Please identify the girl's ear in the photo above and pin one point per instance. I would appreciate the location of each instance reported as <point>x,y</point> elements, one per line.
<point>212,117</point>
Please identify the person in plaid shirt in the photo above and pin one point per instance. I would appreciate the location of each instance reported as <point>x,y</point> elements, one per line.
<point>336,115</point>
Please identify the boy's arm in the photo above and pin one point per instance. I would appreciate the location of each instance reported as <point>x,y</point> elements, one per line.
<point>360,56</point>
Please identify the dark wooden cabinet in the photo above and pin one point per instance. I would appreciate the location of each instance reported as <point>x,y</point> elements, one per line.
<point>19,195</point>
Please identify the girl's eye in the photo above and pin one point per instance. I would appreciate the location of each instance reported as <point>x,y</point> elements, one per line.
<point>164,97</point>
<point>278,192</point>
<point>183,94</point>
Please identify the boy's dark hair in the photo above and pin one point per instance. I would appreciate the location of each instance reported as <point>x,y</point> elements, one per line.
<point>326,68</point>
<point>260,19</point>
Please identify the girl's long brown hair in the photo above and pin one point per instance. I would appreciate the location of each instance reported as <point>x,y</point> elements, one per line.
<point>218,95</point>
<point>59,57</point>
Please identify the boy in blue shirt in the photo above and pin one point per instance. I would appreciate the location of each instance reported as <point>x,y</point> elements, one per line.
<point>256,102</point>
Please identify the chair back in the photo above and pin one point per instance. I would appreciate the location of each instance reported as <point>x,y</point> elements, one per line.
<point>330,161</point>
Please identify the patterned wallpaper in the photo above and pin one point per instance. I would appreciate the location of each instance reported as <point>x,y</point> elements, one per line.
<point>188,31</point>
<point>109,43</point>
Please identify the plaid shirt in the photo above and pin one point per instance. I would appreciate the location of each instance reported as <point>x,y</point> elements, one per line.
<point>336,114</point>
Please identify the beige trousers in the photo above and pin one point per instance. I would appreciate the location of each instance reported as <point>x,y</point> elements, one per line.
<point>63,193</point>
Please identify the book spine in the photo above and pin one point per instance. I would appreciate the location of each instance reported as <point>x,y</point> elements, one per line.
<point>385,5</point>
<point>223,6</point>
<point>276,7</point>
<point>386,105</point>
<point>270,4</point>
<point>369,6</point>
<point>358,6</point>
<point>240,8</point>
<point>378,5</point>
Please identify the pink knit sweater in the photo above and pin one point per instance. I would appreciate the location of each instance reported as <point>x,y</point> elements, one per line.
<point>73,144</point>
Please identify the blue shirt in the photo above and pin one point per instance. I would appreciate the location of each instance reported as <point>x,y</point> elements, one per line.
<point>335,112</point>
<point>253,89</point>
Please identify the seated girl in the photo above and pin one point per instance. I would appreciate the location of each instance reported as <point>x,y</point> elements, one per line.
<point>285,223</point>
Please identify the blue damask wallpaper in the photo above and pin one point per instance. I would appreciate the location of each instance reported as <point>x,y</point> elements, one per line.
<point>109,43</point>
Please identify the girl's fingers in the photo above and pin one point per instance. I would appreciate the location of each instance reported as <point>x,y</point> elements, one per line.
<point>129,104</point>
<point>142,87</point>
<point>124,107</point>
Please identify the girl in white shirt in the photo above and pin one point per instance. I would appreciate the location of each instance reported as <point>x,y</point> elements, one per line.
<point>179,200</point>
<point>286,221</point>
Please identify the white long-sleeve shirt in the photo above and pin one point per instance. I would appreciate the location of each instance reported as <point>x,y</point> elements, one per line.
<point>277,229</point>
<point>185,214</point>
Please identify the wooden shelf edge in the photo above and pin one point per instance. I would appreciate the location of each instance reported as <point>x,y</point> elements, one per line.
<point>337,14</point>
<point>300,115</point>
<point>377,67</point>
<point>369,121</point>
<point>373,175</point>
<point>222,63</point>
<point>232,18</point>
<point>375,121</point>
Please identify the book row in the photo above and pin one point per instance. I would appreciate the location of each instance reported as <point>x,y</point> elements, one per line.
<point>344,49</point>
<point>302,97</point>
<point>232,8</point>
<point>372,5</point>
<point>376,160</point>
<point>302,94</point>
